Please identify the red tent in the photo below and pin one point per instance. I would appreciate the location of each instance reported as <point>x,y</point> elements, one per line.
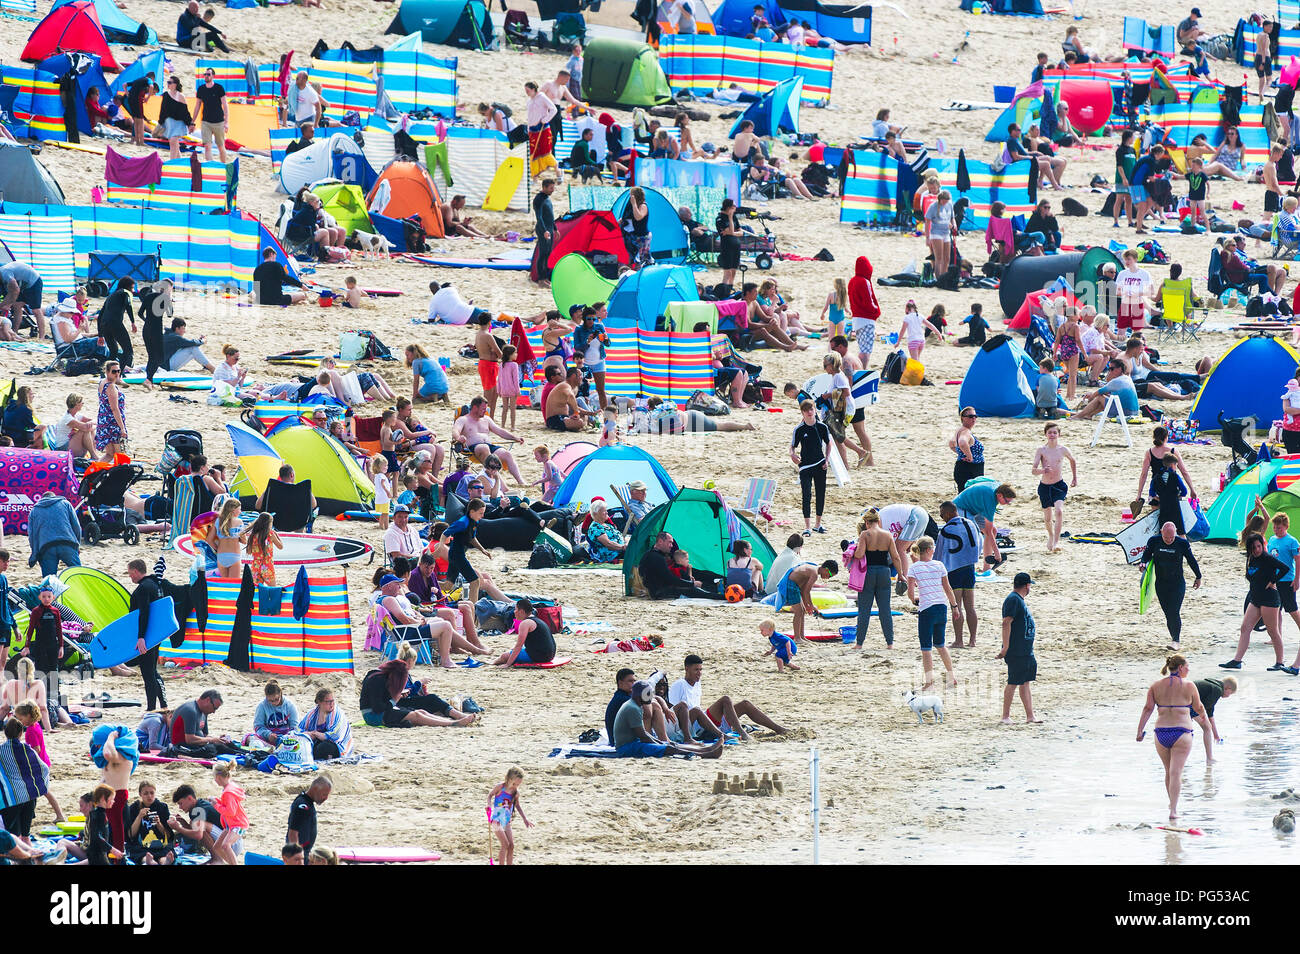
<point>1033,306</point>
<point>73,27</point>
<point>590,232</point>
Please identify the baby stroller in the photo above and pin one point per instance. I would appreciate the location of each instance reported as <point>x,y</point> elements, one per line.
<point>179,447</point>
<point>103,512</point>
<point>1231,433</point>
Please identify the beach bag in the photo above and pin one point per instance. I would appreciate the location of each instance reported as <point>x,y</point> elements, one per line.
<point>75,367</point>
<point>1201,529</point>
<point>708,404</point>
<point>550,613</point>
<point>323,749</point>
<point>294,753</point>
<point>542,558</point>
<point>892,372</point>
<point>913,372</point>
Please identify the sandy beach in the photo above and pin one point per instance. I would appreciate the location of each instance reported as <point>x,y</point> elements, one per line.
<point>894,791</point>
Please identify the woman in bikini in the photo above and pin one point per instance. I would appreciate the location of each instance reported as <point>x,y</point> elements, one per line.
<point>1177,703</point>
<point>230,540</point>
<point>1067,348</point>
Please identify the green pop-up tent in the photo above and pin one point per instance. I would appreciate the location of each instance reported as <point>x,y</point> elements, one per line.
<point>622,73</point>
<point>698,522</point>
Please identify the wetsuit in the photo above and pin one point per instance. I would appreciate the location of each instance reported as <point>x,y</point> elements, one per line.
<point>1167,490</point>
<point>117,307</point>
<point>1261,573</point>
<point>1170,585</point>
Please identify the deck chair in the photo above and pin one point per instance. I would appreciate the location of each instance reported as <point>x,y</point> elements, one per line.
<point>1282,246</point>
<point>289,506</point>
<point>570,28</point>
<point>1177,300</point>
<point>517,31</point>
<point>759,493</point>
<point>624,494</point>
<point>426,649</point>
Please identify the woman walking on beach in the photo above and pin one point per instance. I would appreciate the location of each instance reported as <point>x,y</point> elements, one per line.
<point>1263,571</point>
<point>970,452</point>
<point>872,554</point>
<point>1177,703</point>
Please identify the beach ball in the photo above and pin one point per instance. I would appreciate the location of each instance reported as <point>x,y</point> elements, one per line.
<point>710,484</point>
<point>735,593</point>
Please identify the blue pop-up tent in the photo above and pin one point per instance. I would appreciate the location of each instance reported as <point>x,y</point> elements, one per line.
<point>669,240</point>
<point>84,67</point>
<point>776,111</point>
<point>615,464</point>
<point>641,297</point>
<point>839,22</point>
<point>1001,380</point>
<point>1246,382</point>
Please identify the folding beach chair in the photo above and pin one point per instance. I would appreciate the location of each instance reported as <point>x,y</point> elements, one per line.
<point>759,494</point>
<point>624,494</point>
<point>1177,301</point>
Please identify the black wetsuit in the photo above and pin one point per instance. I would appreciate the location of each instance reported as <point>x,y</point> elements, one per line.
<point>1170,586</point>
<point>117,308</point>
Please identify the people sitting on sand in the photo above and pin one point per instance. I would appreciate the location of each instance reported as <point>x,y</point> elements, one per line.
<point>457,223</point>
<point>391,699</point>
<point>560,409</point>
<point>534,641</point>
<point>659,580</point>
<point>275,716</point>
<point>715,721</point>
<point>201,830</point>
<point>1049,167</point>
<point>179,351</point>
<point>327,727</point>
<point>743,570</point>
<point>74,432</point>
<point>662,718</point>
<point>604,541</point>
<point>190,720</point>
<point>1150,382</point>
<point>630,729</point>
<point>790,556</point>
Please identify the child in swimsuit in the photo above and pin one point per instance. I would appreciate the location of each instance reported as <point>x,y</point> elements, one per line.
<point>502,804</point>
<point>782,646</point>
<point>551,476</point>
<point>230,539</point>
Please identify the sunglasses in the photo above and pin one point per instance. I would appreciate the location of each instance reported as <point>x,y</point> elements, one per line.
<point>969,417</point>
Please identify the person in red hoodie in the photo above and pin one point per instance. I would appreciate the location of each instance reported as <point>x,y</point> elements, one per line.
<point>864,309</point>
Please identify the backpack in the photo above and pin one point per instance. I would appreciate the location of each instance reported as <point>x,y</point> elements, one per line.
<point>708,403</point>
<point>542,558</point>
<point>414,234</point>
<point>1071,206</point>
<point>74,367</point>
<point>506,111</point>
<point>892,372</point>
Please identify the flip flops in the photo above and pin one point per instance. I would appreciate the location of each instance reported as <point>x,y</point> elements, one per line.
<point>470,663</point>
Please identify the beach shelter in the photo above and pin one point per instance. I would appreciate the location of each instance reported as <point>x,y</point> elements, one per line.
<point>843,23</point>
<point>615,465</point>
<point>1000,381</point>
<point>25,475</point>
<point>76,73</point>
<point>566,457</point>
<point>622,73</point>
<point>403,190</point>
<point>151,61</point>
<point>24,179</point>
<point>1033,306</point>
<point>776,111</point>
<point>347,203</point>
<point>1247,381</point>
<point>117,26</point>
<point>1024,109</point>
<point>337,480</point>
<point>1227,515</point>
<point>334,157</point>
<point>704,526</point>
<point>575,281</point>
<point>73,27</point>
<point>669,240</point>
<point>1080,271</point>
<point>463,23</point>
<point>589,233</point>
<point>641,297</point>
<point>1013,7</point>
<point>255,456</point>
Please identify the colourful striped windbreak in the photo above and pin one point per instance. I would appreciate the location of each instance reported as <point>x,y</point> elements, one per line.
<point>229,74</point>
<point>1288,12</point>
<point>45,243</point>
<point>416,81</point>
<point>197,249</point>
<point>1183,122</point>
<point>176,190</point>
<point>268,82</point>
<point>345,86</point>
<point>282,645</point>
<point>871,188</point>
<point>705,62</point>
<point>37,110</point>
<point>1010,186</point>
<point>663,364</point>
<point>18,6</point>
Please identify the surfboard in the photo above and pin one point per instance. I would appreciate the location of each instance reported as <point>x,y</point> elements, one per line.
<point>301,549</point>
<point>116,643</point>
<point>177,380</point>
<point>492,264</point>
<point>382,855</point>
<point>1147,589</point>
<point>555,663</point>
<point>837,465</point>
<point>504,183</point>
<point>1134,537</point>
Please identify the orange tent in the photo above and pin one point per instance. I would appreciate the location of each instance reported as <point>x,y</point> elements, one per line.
<point>410,192</point>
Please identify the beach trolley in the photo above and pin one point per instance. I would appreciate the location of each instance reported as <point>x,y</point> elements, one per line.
<point>107,266</point>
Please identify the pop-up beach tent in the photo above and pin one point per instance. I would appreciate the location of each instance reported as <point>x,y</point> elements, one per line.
<point>25,476</point>
<point>24,179</point>
<point>704,526</point>
<point>776,111</point>
<point>73,27</point>
<point>588,233</point>
<point>669,240</point>
<point>1247,381</point>
<point>337,480</point>
<point>117,26</point>
<point>642,296</point>
<point>615,465</point>
<point>622,73</point>
<point>463,23</point>
<point>575,281</point>
<point>1000,381</point>
<point>839,22</point>
<point>403,190</point>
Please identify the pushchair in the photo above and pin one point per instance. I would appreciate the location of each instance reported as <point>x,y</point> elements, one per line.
<point>102,511</point>
<point>179,448</point>
<point>1231,433</point>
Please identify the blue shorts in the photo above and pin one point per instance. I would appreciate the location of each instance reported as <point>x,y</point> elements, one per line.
<point>1137,193</point>
<point>931,624</point>
<point>1051,494</point>
<point>523,656</point>
<point>962,578</point>
<point>641,750</point>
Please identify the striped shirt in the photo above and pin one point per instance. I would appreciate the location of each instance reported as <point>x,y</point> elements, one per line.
<point>929,576</point>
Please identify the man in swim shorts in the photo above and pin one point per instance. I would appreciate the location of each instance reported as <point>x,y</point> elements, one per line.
<point>489,361</point>
<point>795,590</point>
<point>473,430</point>
<point>560,409</point>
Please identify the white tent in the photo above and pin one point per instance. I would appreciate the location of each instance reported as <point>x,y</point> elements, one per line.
<point>317,162</point>
<point>474,155</point>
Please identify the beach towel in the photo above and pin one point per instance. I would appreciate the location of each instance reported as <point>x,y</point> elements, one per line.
<point>334,726</point>
<point>133,172</point>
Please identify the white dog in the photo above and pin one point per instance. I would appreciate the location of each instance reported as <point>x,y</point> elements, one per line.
<point>919,704</point>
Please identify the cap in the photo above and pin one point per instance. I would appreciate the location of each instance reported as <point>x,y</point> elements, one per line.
<point>643,691</point>
<point>401,508</point>
<point>636,485</point>
<point>389,578</point>
<point>46,588</point>
<point>1291,385</point>
<point>1021,579</point>
<point>1196,11</point>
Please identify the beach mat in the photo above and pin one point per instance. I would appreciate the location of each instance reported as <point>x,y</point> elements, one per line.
<point>823,637</point>
<point>381,855</point>
<point>555,663</point>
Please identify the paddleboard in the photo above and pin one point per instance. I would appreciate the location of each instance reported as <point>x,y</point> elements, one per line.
<point>492,264</point>
<point>1147,589</point>
<point>504,183</point>
<point>115,644</point>
<point>382,855</point>
<point>1134,537</point>
<point>301,549</point>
